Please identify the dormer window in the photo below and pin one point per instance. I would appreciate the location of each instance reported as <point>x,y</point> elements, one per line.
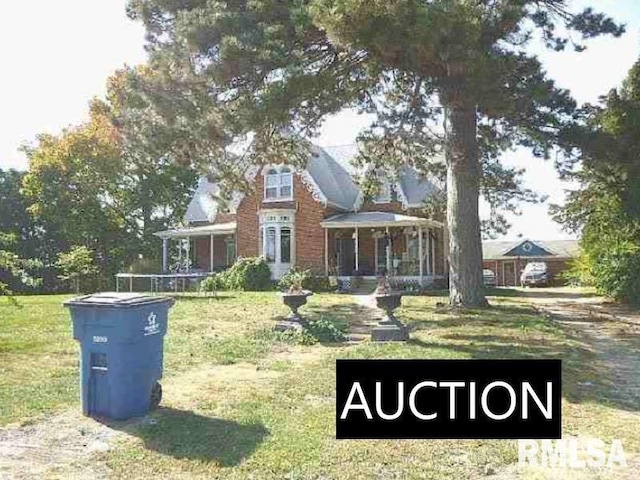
<point>387,190</point>
<point>278,184</point>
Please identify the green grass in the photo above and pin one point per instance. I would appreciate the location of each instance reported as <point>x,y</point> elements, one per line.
<point>39,358</point>
<point>239,403</point>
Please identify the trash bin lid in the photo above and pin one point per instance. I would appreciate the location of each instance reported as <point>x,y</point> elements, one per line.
<point>115,300</point>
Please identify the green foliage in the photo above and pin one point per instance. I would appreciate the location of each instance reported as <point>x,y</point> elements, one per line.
<point>318,284</point>
<point>294,279</point>
<point>579,272</point>
<point>304,280</point>
<point>14,267</point>
<point>145,265</point>
<point>617,272</point>
<point>108,183</point>
<point>325,330</point>
<point>214,283</point>
<point>276,66</point>
<point>76,264</point>
<point>248,274</point>
<point>605,207</point>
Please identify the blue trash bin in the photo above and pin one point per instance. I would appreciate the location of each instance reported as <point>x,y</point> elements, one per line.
<point>121,338</point>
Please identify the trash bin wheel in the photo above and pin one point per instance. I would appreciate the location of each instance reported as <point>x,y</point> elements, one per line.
<point>156,396</point>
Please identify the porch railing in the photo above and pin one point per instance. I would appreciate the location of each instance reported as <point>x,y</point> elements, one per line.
<point>160,282</point>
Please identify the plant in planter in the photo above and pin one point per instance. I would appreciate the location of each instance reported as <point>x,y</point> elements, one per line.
<point>294,297</point>
<point>389,328</point>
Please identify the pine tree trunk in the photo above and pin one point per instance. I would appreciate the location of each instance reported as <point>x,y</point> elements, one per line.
<point>463,189</point>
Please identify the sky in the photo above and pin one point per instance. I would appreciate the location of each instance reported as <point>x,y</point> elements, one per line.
<point>56,55</point>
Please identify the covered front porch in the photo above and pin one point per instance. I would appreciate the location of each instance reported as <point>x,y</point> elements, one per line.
<point>366,244</point>
<point>206,248</point>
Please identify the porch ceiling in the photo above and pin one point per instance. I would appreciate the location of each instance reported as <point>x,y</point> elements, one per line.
<point>216,229</point>
<point>376,219</point>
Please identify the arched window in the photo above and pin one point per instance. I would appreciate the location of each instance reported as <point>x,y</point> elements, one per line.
<point>278,183</point>
<point>272,181</point>
<point>286,183</point>
<point>285,245</point>
<point>385,192</point>
<point>270,245</point>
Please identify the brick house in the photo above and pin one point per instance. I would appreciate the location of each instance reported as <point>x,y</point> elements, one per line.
<point>317,218</point>
<point>508,259</point>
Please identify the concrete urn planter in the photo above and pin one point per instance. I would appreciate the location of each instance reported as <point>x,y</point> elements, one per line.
<point>389,329</point>
<point>388,302</point>
<point>293,300</point>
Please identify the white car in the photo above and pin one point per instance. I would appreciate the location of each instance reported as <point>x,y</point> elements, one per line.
<point>534,274</point>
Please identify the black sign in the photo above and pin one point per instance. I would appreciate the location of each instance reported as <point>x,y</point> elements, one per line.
<point>428,399</point>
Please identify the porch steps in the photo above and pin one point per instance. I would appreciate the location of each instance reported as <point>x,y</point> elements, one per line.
<point>363,286</point>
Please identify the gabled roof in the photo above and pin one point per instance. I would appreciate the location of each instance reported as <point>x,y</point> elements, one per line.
<point>496,250</point>
<point>203,205</point>
<point>414,188</point>
<point>330,176</point>
<point>332,179</point>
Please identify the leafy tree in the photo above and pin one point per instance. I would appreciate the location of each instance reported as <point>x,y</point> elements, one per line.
<point>274,66</point>
<point>70,187</point>
<point>111,182</point>
<point>153,189</point>
<point>606,207</point>
<point>11,265</point>
<point>15,220</point>
<point>76,264</point>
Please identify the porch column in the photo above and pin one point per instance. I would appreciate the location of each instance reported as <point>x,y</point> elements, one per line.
<point>326,252</point>
<point>357,251</point>
<point>428,252</point>
<point>433,256</point>
<point>165,254</point>
<point>211,253</point>
<point>421,268</point>
<point>188,254</point>
<point>180,254</point>
<point>388,250</point>
<point>445,246</point>
<point>195,252</point>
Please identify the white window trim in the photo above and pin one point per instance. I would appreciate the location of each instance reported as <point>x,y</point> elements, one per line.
<point>384,196</point>
<point>279,176</point>
<point>278,223</point>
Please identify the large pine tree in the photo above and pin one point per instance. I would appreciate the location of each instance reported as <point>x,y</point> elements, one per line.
<point>270,64</point>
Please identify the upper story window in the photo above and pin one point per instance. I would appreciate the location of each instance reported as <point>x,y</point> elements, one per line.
<point>386,191</point>
<point>278,184</point>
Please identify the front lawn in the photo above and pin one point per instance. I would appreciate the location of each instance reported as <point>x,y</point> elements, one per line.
<point>39,358</point>
<point>240,403</point>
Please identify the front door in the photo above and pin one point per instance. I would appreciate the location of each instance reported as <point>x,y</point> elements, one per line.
<point>509,274</point>
<point>382,255</point>
<point>346,261</point>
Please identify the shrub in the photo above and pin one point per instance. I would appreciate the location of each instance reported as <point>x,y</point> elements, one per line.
<point>214,283</point>
<point>248,274</point>
<point>616,272</point>
<point>324,330</point>
<point>306,279</point>
<point>318,284</point>
<point>579,272</point>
